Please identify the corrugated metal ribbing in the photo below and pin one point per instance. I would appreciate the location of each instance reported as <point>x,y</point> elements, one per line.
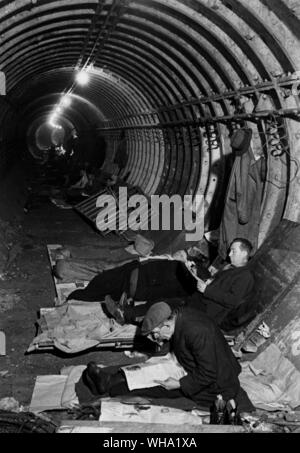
<point>170,66</point>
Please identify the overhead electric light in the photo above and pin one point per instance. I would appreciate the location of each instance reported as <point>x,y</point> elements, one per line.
<point>53,121</point>
<point>54,125</point>
<point>82,78</point>
<point>66,101</point>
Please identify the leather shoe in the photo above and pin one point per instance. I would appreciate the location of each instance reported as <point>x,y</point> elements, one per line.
<point>114,310</point>
<point>123,301</point>
<point>97,380</point>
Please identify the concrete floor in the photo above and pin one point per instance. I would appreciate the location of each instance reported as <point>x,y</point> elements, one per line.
<point>29,287</point>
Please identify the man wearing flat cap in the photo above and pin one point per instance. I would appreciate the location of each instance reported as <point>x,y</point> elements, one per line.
<point>199,347</point>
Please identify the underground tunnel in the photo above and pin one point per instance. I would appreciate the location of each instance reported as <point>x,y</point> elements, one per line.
<point>151,96</point>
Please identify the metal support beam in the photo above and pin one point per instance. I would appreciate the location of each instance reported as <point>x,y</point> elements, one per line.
<point>93,27</point>
<point>253,117</point>
<point>284,85</point>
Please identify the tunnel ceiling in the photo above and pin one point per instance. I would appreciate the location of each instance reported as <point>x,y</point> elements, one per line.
<point>178,76</point>
<point>149,56</point>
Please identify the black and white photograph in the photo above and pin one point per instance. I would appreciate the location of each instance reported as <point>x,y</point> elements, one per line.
<point>149,220</point>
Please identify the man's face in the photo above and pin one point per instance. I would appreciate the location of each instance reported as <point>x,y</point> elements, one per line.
<point>161,334</point>
<point>238,257</point>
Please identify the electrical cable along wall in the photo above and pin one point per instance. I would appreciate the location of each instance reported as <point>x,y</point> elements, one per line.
<point>177,76</point>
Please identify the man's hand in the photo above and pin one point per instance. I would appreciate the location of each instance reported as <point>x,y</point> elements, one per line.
<point>201,285</point>
<point>169,384</point>
<point>191,266</point>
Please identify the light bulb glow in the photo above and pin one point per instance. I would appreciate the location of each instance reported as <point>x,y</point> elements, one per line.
<point>53,121</point>
<point>82,78</point>
<point>66,101</point>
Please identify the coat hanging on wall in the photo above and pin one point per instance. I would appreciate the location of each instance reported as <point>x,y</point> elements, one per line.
<point>241,215</point>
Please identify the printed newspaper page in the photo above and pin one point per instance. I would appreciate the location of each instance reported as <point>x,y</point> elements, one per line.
<point>145,375</point>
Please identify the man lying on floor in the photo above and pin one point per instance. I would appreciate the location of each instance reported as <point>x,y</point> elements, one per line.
<point>200,348</point>
<point>149,280</point>
<point>227,297</point>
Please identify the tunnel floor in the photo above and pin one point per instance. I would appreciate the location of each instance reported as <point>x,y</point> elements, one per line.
<point>29,287</point>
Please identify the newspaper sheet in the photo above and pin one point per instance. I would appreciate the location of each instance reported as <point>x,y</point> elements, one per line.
<point>114,411</point>
<point>146,374</point>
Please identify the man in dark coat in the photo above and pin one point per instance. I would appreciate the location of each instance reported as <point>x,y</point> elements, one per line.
<point>150,280</point>
<point>229,290</point>
<point>226,297</point>
<point>199,347</point>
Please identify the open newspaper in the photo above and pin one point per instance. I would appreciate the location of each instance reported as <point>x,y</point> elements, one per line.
<point>146,374</point>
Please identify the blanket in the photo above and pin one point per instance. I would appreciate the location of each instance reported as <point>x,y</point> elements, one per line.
<point>77,326</point>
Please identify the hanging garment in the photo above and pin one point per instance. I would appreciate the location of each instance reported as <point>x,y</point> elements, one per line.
<point>241,216</point>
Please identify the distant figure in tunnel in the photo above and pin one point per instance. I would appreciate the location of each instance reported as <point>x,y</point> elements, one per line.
<point>75,193</point>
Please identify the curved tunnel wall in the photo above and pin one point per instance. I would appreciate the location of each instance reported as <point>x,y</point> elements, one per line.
<point>177,76</point>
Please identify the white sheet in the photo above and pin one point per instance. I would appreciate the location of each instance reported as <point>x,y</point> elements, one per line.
<point>57,391</point>
<point>47,393</point>
<point>271,381</point>
<point>69,397</point>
